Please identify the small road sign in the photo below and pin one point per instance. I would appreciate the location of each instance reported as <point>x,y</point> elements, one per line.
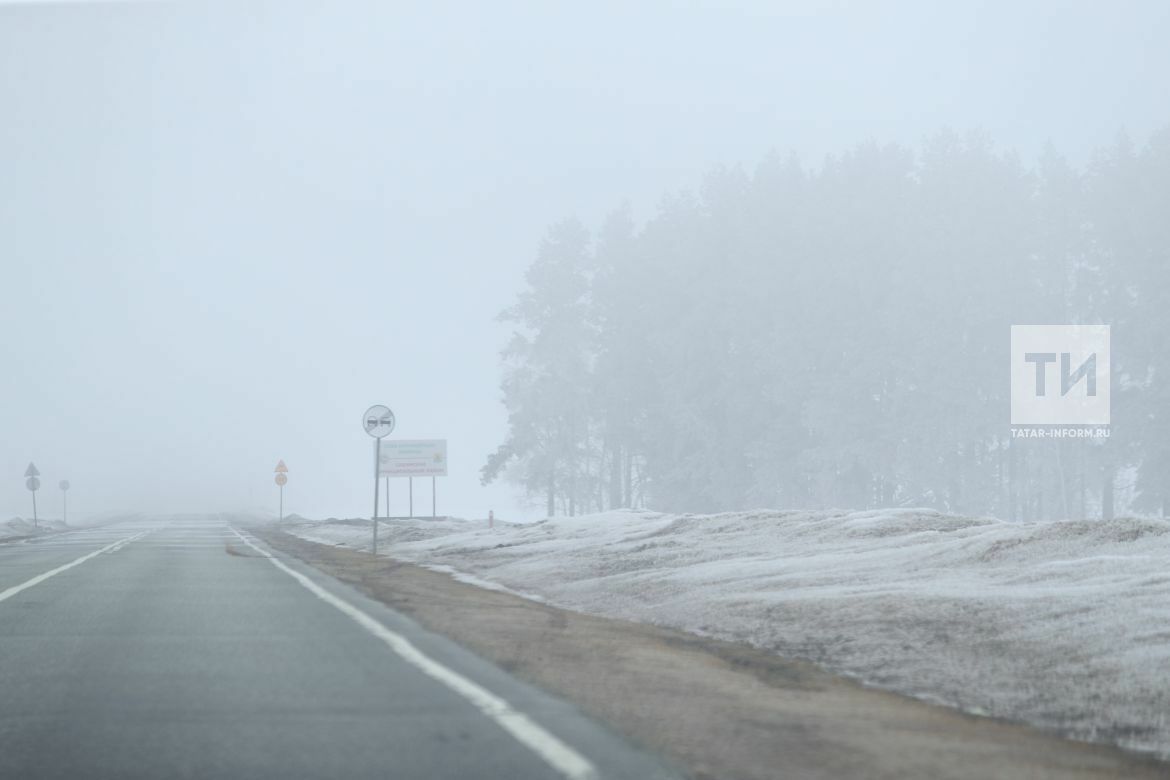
<point>64,485</point>
<point>378,421</point>
<point>33,483</point>
<point>281,480</point>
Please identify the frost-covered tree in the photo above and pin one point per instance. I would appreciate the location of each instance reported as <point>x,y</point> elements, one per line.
<point>547,372</point>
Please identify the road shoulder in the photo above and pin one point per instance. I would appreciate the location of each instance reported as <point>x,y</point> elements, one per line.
<point>720,709</point>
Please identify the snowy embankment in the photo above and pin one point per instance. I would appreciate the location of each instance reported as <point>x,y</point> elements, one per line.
<point>19,528</point>
<point>1061,624</point>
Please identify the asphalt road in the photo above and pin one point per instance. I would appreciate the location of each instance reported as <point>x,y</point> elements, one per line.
<point>185,648</point>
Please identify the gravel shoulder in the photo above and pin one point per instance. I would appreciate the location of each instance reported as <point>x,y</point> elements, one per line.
<point>718,709</point>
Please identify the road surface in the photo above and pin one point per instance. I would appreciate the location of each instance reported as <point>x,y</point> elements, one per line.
<point>186,648</point>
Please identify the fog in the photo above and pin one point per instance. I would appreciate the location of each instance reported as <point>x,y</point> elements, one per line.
<point>226,230</point>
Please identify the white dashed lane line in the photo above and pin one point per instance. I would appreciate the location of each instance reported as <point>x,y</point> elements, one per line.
<point>113,546</point>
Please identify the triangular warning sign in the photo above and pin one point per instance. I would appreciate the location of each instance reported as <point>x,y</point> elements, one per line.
<point>281,468</point>
<point>31,471</point>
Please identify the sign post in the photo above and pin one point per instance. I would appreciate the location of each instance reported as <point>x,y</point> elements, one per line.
<point>281,480</point>
<point>33,483</point>
<point>378,421</point>
<point>64,485</point>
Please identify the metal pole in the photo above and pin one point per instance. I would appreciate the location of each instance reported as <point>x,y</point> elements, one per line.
<point>387,495</point>
<point>281,515</point>
<point>34,508</point>
<point>377,461</point>
<point>432,498</point>
<point>65,507</point>
<point>411,479</point>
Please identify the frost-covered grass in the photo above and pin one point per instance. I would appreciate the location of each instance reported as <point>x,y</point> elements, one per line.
<point>1061,624</point>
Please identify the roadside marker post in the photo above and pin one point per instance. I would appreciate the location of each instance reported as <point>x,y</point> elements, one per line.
<point>33,483</point>
<point>64,485</point>
<point>378,421</point>
<point>281,481</point>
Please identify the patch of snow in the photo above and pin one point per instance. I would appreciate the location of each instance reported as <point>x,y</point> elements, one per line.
<point>20,528</point>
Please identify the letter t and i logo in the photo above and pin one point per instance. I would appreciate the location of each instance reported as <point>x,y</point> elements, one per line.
<point>1060,375</point>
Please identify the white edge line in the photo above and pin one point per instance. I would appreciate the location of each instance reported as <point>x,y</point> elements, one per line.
<point>7,594</point>
<point>556,753</point>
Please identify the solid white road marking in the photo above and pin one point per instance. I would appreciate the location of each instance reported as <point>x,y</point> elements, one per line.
<point>7,594</point>
<point>556,753</point>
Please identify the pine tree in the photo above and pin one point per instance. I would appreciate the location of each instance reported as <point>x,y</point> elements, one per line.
<point>546,381</point>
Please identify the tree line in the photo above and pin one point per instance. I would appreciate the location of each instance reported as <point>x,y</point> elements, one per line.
<point>837,336</point>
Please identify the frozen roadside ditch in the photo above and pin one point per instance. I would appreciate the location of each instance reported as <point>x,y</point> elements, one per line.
<point>1065,625</point>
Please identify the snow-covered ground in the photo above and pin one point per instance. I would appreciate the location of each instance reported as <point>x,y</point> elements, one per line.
<point>1061,624</point>
<point>18,528</point>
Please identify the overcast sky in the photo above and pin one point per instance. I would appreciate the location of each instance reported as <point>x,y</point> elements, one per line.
<point>227,230</point>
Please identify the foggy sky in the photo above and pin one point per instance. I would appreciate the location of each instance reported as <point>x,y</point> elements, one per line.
<point>226,231</point>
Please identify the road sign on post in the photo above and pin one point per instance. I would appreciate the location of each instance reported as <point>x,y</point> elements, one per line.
<point>378,421</point>
<point>414,458</point>
<point>281,481</point>
<point>33,483</point>
<point>64,485</point>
